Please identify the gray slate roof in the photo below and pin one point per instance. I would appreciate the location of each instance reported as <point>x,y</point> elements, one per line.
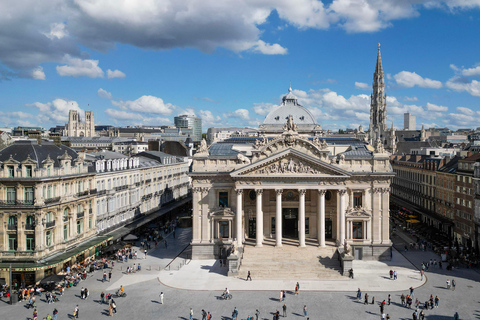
<point>21,149</point>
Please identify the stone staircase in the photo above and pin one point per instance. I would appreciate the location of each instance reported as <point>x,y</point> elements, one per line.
<point>290,261</point>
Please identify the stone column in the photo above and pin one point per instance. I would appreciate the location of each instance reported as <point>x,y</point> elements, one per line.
<point>321,218</point>
<point>39,231</point>
<point>278,219</point>
<point>239,222</point>
<point>341,236</point>
<point>375,228</point>
<point>205,225</point>
<point>301,217</point>
<point>385,215</point>
<point>259,220</point>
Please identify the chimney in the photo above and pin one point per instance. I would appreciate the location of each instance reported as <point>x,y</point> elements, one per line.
<point>35,135</point>
<point>56,139</point>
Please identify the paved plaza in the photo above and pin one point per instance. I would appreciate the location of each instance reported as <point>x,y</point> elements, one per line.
<point>199,283</point>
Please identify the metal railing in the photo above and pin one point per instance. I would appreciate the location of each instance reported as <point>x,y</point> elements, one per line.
<point>80,214</point>
<point>52,200</point>
<point>29,226</point>
<point>81,194</point>
<point>50,224</point>
<point>12,227</point>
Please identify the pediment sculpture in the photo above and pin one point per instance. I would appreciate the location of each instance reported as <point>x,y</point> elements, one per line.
<point>203,147</point>
<point>221,211</point>
<point>260,142</point>
<point>290,125</point>
<point>321,144</point>
<point>357,212</point>
<point>289,165</point>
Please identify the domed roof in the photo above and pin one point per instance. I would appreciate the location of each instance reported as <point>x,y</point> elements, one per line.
<point>289,106</point>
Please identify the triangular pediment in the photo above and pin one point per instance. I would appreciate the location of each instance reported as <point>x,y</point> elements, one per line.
<point>291,163</point>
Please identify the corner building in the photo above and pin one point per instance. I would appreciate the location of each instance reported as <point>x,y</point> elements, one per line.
<point>294,183</point>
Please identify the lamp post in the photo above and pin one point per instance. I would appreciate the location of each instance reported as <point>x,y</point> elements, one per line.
<point>11,291</point>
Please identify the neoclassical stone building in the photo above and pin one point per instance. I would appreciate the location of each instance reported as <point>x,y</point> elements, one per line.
<point>290,183</point>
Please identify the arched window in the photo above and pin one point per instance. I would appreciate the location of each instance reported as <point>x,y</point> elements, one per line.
<point>65,214</point>
<point>49,217</point>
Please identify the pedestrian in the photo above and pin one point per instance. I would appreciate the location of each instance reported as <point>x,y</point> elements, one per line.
<point>104,277</point>
<point>394,274</point>
<point>453,284</point>
<point>448,284</point>
<point>391,274</point>
<point>359,294</point>
<point>284,310</point>
<point>204,314</point>
<point>76,312</point>
<point>366,299</point>
<point>82,291</point>
<point>437,300</point>
<point>191,314</point>
<point>456,316</point>
<point>161,298</point>
<point>281,296</point>
<point>110,310</point>
<point>296,289</point>
<point>284,295</point>
<point>411,292</point>
<point>109,275</point>
<point>257,314</point>
<point>102,297</point>
<point>389,299</point>
<point>248,276</point>
<point>421,274</point>
<point>388,317</point>
<point>235,314</point>
<point>114,306</point>
<point>55,312</point>
<point>35,314</point>
<point>304,310</point>
<point>209,315</point>
<point>86,294</point>
<point>382,316</point>
<point>373,300</point>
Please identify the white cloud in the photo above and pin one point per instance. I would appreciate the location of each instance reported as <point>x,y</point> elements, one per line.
<point>467,111</point>
<point>132,118</point>
<point>38,74</point>
<point>410,79</point>
<point>362,86</point>
<point>76,67</point>
<point>263,108</point>
<point>239,113</point>
<point>209,119</point>
<point>146,104</point>
<point>57,31</point>
<point>267,48</point>
<point>410,98</point>
<point>104,94</point>
<point>122,115</point>
<point>115,74</point>
<point>462,84</point>
<point>434,107</point>
<point>55,112</point>
<point>471,72</point>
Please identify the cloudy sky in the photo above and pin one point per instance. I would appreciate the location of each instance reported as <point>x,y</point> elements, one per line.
<point>229,62</point>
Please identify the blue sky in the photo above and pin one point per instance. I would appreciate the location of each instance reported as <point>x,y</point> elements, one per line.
<point>229,62</point>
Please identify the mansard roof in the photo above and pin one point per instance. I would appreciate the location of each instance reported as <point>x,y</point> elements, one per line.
<point>23,149</point>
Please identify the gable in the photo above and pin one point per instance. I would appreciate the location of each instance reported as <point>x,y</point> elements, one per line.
<point>290,163</point>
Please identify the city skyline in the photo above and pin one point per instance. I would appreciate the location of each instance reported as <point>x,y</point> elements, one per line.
<point>230,63</point>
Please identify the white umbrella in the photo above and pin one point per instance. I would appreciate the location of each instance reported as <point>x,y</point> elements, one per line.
<point>130,237</point>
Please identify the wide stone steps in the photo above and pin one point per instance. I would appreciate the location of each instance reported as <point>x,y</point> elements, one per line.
<point>290,261</point>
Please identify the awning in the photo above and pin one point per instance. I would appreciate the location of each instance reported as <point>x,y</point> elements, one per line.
<point>53,278</point>
<point>413,221</point>
<point>130,237</point>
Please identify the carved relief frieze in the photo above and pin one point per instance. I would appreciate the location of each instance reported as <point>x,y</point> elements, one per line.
<point>357,212</point>
<point>288,165</point>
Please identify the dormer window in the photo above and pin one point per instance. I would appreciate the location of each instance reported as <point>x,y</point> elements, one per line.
<point>48,171</point>
<point>28,171</point>
<point>11,171</point>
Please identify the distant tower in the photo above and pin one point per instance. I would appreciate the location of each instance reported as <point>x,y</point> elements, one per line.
<point>378,105</point>
<point>89,124</point>
<point>408,121</point>
<point>76,128</point>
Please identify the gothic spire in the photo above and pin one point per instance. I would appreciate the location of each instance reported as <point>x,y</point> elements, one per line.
<point>379,67</point>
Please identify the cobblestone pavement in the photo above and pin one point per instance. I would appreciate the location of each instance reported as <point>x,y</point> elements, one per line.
<point>143,291</point>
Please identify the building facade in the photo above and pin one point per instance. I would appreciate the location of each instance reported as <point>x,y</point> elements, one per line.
<point>289,183</point>
<point>78,128</point>
<point>47,198</point>
<point>409,122</point>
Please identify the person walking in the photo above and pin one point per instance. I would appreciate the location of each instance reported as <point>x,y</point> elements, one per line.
<point>86,293</point>
<point>366,299</point>
<point>35,314</point>
<point>235,314</point>
<point>248,276</point>
<point>359,294</point>
<point>305,310</point>
<point>389,299</point>
<point>281,296</point>
<point>109,275</point>
<point>204,314</point>
<point>284,308</point>
<point>456,316</point>
<point>437,300</point>
<point>82,291</point>
<point>110,310</point>
<point>394,274</point>
<point>257,314</point>
<point>391,274</point>
<point>421,274</point>
<point>102,297</point>
<point>448,284</point>
<point>104,277</point>
<point>191,314</point>
<point>453,284</point>
<point>284,295</point>
<point>76,312</point>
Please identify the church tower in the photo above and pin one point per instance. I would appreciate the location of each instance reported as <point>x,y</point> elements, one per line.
<point>378,105</point>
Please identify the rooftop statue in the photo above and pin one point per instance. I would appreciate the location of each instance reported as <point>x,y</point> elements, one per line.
<point>290,125</point>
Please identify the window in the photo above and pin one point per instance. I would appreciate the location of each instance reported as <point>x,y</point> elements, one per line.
<point>12,242</point>
<point>48,171</point>
<point>357,199</point>
<point>49,217</point>
<point>223,229</point>
<point>29,223</point>
<point>223,199</point>
<point>48,238</point>
<point>11,171</point>
<point>79,208</point>
<point>65,214</point>
<point>30,242</point>
<point>12,221</point>
<point>28,171</point>
<point>28,195</point>
<point>66,188</point>
<point>11,195</point>
<point>79,226</point>
<point>90,223</point>
<point>65,232</point>
<point>357,230</point>
<point>49,192</point>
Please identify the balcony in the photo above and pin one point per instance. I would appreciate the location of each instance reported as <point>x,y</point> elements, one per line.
<point>16,203</point>
<point>101,192</point>
<point>50,224</point>
<point>83,193</point>
<point>93,191</point>
<point>52,200</point>
<point>65,218</point>
<point>148,180</point>
<point>12,227</point>
<point>80,214</point>
<point>29,226</point>
<point>119,188</point>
